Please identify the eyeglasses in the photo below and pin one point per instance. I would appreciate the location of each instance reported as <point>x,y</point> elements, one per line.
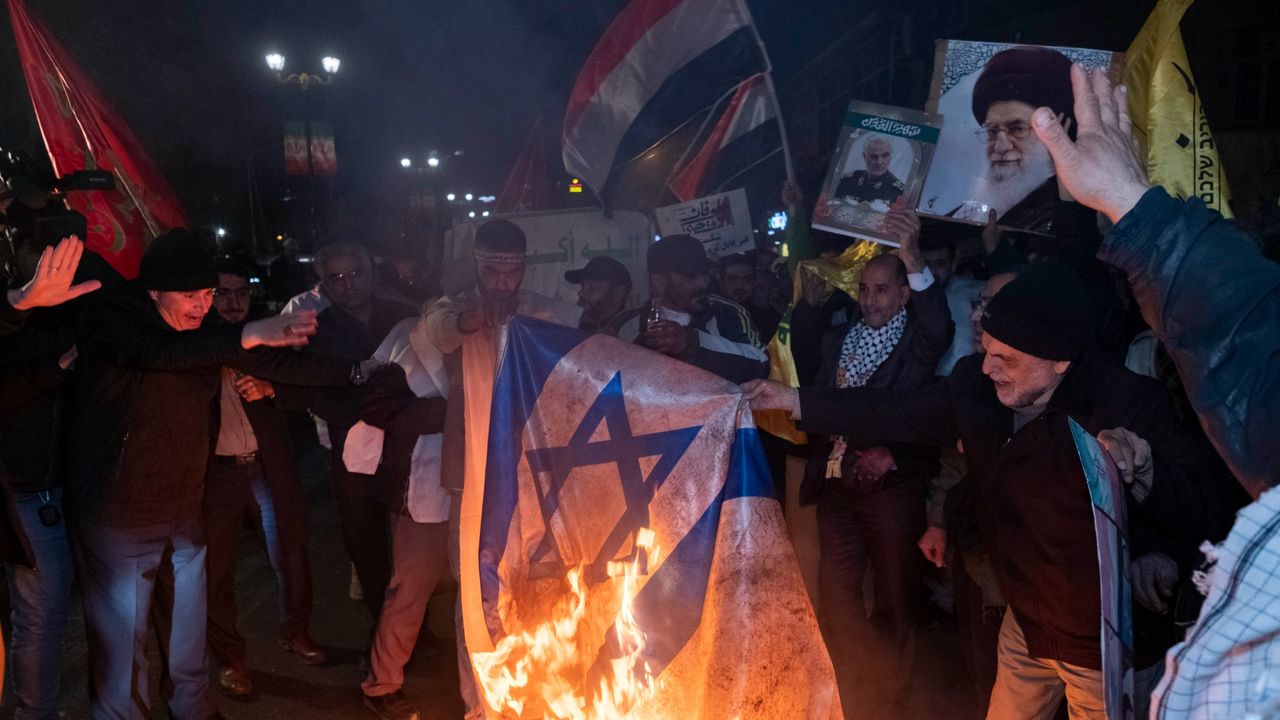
<point>1015,131</point>
<point>241,293</point>
<point>346,277</point>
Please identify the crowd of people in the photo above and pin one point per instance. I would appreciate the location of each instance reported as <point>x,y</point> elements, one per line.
<point>145,424</point>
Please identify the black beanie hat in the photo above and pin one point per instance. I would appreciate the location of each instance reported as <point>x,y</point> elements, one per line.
<point>1037,76</point>
<point>1044,312</point>
<point>178,262</point>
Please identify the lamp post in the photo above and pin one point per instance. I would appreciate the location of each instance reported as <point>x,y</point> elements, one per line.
<point>304,80</point>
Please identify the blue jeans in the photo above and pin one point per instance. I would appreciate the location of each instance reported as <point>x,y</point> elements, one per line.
<point>118,569</point>
<point>40,600</point>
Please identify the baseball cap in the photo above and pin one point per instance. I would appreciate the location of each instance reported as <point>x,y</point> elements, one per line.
<point>601,268</point>
<point>678,253</point>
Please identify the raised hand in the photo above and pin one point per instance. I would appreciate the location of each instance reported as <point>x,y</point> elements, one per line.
<point>904,225</point>
<point>1102,168</point>
<point>51,284</point>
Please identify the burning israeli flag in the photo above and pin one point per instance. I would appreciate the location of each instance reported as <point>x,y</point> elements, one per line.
<point>623,553</point>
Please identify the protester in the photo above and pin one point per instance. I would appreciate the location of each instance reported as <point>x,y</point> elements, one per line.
<point>738,283</point>
<point>136,447</point>
<point>463,323</point>
<point>605,286</point>
<point>1010,409</point>
<point>683,320</point>
<point>940,256</point>
<point>253,476</point>
<point>870,494</point>
<point>1207,291</point>
<point>34,361</point>
<point>351,328</point>
<point>403,412</point>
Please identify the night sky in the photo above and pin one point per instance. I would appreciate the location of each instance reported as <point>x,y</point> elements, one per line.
<point>190,78</point>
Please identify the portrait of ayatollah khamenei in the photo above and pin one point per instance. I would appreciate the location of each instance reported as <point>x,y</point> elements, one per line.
<point>988,155</point>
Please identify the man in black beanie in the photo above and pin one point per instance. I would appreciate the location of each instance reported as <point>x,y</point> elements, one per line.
<point>1009,407</point>
<point>139,412</point>
<point>1019,180</point>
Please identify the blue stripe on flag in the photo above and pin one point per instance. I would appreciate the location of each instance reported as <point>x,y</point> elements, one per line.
<point>748,470</point>
<point>534,348</point>
<point>669,607</point>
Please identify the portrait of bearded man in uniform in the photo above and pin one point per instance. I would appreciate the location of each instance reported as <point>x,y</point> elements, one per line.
<point>875,182</point>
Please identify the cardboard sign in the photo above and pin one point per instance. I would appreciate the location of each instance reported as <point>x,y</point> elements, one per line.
<point>721,221</point>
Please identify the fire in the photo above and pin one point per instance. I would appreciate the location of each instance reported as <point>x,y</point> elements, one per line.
<point>550,669</point>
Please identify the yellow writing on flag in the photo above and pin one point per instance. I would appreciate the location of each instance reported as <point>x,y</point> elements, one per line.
<point>1168,117</point>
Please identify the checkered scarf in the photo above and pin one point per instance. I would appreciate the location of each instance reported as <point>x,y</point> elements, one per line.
<point>863,351</point>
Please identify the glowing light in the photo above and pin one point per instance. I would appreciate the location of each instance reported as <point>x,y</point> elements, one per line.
<point>222,232</point>
<point>471,214</point>
<point>450,197</point>
<point>575,186</point>
<point>469,197</point>
<point>330,64</point>
<point>484,214</point>
<point>540,671</point>
<point>405,162</point>
<point>433,161</point>
<point>275,61</point>
<point>778,221</point>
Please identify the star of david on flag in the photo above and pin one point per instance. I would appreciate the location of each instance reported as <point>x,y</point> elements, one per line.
<point>631,558</point>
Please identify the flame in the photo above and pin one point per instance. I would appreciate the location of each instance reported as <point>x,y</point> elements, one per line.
<point>550,669</point>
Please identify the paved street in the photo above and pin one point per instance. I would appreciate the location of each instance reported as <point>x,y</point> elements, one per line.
<point>285,688</point>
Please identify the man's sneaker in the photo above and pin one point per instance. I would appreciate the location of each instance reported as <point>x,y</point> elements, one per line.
<point>391,707</point>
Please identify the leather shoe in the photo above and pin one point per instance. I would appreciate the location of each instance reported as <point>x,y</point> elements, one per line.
<point>235,681</point>
<point>391,707</point>
<point>305,648</point>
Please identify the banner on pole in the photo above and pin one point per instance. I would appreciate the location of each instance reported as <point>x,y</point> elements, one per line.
<point>297,157</point>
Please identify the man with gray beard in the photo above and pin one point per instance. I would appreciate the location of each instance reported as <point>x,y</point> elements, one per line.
<point>1019,182</point>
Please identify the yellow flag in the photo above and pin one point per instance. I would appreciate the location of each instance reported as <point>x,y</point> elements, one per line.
<point>1167,115</point>
<point>841,273</point>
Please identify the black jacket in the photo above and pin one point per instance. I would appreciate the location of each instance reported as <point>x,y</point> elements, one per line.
<point>1031,498</point>
<point>30,399</point>
<point>910,366</point>
<point>14,546</point>
<point>386,402</point>
<point>340,335</point>
<point>142,407</point>
<point>1214,301</point>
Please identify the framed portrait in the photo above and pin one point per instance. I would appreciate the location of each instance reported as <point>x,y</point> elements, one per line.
<point>881,160</point>
<point>988,155</point>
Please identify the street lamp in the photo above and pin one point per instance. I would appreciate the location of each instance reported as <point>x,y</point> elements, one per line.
<point>275,61</point>
<point>469,197</point>
<point>450,197</point>
<point>405,162</point>
<point>433,161</point>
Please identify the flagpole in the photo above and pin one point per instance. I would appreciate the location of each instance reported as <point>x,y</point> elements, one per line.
<point>773,91</point>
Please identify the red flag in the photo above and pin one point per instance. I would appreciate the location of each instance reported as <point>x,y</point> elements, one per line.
<point>82,132</point>
<point>751,107</point>
<point>526,188</point>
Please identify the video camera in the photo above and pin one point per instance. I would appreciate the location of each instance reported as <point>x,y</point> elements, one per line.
<point>36,216</point>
